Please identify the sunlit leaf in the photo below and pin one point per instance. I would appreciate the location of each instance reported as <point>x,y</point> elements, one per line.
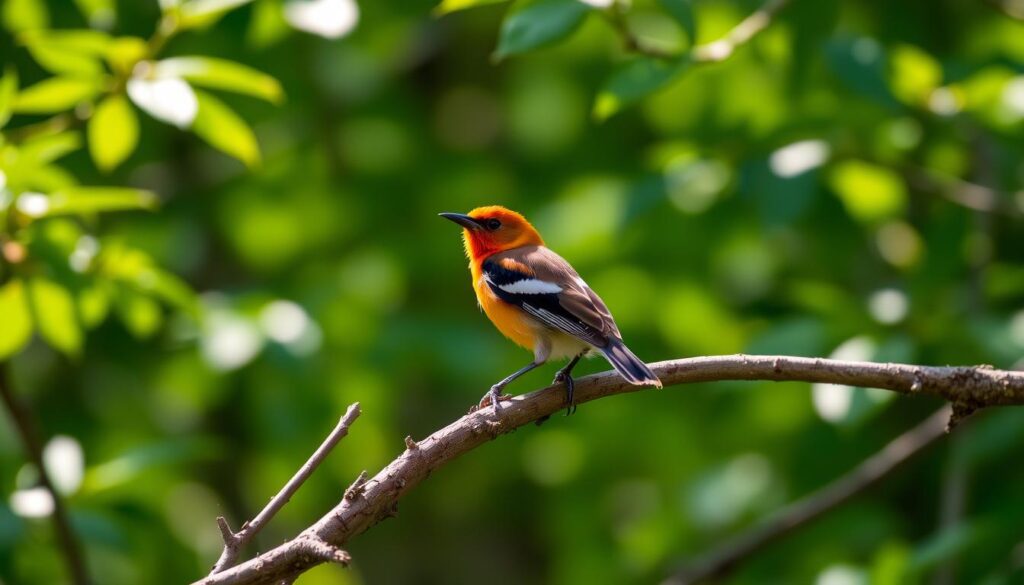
<point>22,15</point>
<point>869,192</point>
<point>168,100</point>
<point>221,74</point>
<point>47,148</point>
<point>56,94</point>
<point>447,6</point>
<point>139,313</point>
<point>94,304</point>
<point>17,320</point>
<point>202,13</point>
<point>267,25</point>
<point>53,309</point>
<point>113,132</point>
<point>75,52</point>
<point>682,12</point>
<point>633,81</point>
<point>538,24</point>
<point>124,52</point>
<point>73,200</point>
<point>8,94</point>
<point>101,14</point>
<point>914,74</point>
<point>225,130</point>
<point>331,19</point>
<point>138,270</point>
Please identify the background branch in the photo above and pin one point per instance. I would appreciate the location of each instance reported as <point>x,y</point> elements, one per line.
<point>967,388</point>
<point>24,425</point>
<point>235,541</point>
<point>721,560</point>
<point>712,52</point>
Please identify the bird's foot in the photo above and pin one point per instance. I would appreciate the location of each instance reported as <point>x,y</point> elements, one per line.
<point>494,397</point>
<point>563,377</point>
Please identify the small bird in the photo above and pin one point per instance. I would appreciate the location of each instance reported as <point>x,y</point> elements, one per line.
<point>536,299</point>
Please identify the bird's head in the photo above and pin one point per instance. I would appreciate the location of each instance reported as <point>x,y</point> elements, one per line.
<point>492,229</point>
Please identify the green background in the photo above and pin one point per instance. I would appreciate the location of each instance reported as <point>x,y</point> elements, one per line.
<point>679,210</point>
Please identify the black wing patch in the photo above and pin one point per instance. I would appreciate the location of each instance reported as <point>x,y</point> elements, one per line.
<point>543,306</point>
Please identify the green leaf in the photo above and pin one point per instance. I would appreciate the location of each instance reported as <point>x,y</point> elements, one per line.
<point>860,64</point>
<point>47,148</point>
<point>113,132</point>
<point>17,320</point>
<point>23,15</point>
<point>101,14</point>
<point>75,52</point>
<point>53,307</point>
<point>914,75</point>
<point>682,12</point>
<point>267,24</point>
<point>635,80</point>
<point>124,52</point>
<point>222,74</point>
<point>73,200</point>
<point>56,94</point>
<point>140,314</point>
<point>202,13</point>
<point>448,6</point>
<point>538,24</point>
<point>94,303</point>
<point>869,192</point>
<point>8,94</point>
<point>218,125</point>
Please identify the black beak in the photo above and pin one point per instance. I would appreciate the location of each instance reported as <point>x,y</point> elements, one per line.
<point>462,219</point>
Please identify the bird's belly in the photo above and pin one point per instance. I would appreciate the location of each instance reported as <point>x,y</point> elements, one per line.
<point>510,320</point>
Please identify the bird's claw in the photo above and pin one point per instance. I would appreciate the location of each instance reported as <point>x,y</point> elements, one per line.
<point>561,377</point>
<point>493,398</point>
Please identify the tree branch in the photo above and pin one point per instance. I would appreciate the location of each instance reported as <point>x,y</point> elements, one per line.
<point>723,559</point>
<point>966,387</point>
<point>740,34</point>
<point>712,52</point>
<point>235,541</point>
<point>23,423</point>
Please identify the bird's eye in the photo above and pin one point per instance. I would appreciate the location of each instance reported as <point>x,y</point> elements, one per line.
<point>493,224</point>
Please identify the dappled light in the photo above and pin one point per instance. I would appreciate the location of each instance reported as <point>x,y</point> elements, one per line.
<point>220,244</point>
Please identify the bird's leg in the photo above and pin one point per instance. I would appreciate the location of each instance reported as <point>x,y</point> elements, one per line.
<point>565,376</point>
<point>494,395</point>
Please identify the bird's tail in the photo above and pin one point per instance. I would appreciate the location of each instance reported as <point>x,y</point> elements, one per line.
<point>630,367</point>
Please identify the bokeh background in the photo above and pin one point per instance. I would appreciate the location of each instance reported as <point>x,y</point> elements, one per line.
<point>847,184</point>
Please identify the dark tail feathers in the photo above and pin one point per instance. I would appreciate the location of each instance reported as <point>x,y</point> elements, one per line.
<point>630,367</point>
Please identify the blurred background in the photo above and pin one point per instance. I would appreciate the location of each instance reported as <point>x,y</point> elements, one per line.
<point>847,184</point>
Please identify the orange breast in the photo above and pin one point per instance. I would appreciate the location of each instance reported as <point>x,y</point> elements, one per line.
<point>510,320</point>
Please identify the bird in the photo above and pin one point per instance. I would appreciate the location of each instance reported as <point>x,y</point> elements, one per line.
<point>536,299</point>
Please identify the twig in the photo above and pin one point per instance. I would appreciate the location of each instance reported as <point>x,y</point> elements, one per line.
<point>965,193</point>
<point>25,427</point>
<point>722,559</point>
<point>740,34</point>
<point>712,52</point>
<point>979,386</point>
<point>235,541</point>
<point>1011,8</point>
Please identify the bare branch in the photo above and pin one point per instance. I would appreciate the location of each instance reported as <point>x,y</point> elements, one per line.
<point>23,423</point>
<point>712,52</point>
<point>721,560</point>
<point>235,541</point>
<point>740,34</point>
<point>975,387</point>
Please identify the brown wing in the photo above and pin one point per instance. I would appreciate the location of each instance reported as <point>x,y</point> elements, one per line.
<point>575,301</point>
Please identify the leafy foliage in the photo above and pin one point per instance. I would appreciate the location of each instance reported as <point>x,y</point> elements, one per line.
<point>217,230</point>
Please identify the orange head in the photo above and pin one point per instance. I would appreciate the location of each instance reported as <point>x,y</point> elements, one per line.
<point>492,229</point>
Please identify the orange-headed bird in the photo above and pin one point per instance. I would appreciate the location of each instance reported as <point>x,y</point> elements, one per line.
<point>536,299</point>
